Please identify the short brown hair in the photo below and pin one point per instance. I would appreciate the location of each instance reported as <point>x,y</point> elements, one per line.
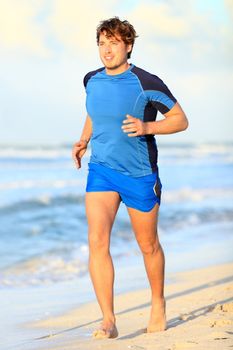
<point>114,26</point>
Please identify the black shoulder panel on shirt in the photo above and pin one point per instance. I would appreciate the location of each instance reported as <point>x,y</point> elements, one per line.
<point>151,82</point>
<point>90,74</point>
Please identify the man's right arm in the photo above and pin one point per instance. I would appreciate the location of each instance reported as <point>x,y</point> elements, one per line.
<point>79,148</point>
<point>87,130</point>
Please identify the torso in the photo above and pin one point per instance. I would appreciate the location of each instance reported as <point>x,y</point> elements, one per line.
<point>109,99</point>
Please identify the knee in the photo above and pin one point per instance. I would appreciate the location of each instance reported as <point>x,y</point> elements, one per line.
<point>98,242</point>
<point>149,247</point>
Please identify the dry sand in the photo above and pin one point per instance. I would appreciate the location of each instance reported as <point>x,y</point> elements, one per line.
<point>199,314</point>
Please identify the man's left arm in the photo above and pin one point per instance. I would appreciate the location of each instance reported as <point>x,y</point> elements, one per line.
<point>175,120</point>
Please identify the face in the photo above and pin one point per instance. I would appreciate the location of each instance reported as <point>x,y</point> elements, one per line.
<point>113,53</point>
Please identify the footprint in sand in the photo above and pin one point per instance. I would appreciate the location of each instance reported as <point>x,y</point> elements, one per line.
<point>228,307</point>
<point>222,310</point>
<point>221,322</point>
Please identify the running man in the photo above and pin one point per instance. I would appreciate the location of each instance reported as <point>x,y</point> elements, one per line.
<point>122,103</point>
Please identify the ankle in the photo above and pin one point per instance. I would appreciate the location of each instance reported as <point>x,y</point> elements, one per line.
<point>109,319</point>
<point>158,300</point>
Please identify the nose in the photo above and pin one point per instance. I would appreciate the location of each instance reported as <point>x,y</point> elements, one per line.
<point>107,49</point>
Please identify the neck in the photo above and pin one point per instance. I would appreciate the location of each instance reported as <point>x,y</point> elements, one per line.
<point>117,70</point>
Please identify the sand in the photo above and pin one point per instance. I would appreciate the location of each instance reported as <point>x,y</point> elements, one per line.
<point>199,314</point>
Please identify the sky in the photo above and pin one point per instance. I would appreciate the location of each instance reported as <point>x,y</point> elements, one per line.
<point>47,46</point>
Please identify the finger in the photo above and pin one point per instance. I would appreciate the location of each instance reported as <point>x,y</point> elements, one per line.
<point>75,155</point>
<point>79,146</point>
<point>129,125</point>
<point>133,134</point>
<point>128,116</point>
<point>128,121</point>
<point>78,163</point>
<point>76,151</point>
<point>132,129</point>
<point>76,159</point>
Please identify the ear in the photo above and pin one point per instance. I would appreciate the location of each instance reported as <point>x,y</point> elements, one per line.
<point>129,48</point>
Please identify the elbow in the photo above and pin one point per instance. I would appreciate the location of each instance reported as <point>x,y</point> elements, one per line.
<point>184,124</point>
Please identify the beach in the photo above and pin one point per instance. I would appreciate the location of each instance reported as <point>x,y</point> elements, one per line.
<point>60,84</point>
<point>199,316</point>
<point>47,299</point>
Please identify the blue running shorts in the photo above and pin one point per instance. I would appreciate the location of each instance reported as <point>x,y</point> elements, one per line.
<point>141,193</point>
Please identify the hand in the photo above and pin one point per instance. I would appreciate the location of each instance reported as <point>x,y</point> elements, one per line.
<point>78,150</point>
<point>134,126</point>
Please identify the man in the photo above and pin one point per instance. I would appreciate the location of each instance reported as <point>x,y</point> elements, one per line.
<point>122,103</point>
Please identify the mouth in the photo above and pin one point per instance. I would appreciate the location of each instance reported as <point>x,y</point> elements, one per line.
<point>108,58</point>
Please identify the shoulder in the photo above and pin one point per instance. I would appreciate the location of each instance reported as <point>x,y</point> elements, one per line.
<point>148,80</point>
<point>91,74</point>
<point>155,89</point>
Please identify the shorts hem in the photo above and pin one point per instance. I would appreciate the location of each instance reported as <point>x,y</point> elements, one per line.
<point>143,210</point>
<point>102,191</point>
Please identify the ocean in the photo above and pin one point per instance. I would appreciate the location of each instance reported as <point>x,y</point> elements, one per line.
<point>43,226</point>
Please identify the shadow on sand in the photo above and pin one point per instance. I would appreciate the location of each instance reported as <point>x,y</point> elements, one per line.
<point>171,323</point>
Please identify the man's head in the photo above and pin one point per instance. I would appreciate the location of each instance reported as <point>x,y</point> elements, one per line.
<point>115,28</point>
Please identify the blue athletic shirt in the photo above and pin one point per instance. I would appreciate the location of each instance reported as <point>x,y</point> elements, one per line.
<point>109,98</point>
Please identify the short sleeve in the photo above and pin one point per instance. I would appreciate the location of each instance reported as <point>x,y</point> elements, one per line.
<point>161,97</point>
<point>156,92</point>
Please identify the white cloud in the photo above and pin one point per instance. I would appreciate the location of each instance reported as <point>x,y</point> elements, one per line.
<point>167,29</point>
<point>182,34</point>
<point>19,29</point>
<point>74,23</point>
<point>159,20</point>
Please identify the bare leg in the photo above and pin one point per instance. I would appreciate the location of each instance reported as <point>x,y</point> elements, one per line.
<point>101,209</point>
<point>145,228</point>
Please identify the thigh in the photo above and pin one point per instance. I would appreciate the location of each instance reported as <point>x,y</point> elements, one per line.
<point>144,224</point>
<point>101,209</point>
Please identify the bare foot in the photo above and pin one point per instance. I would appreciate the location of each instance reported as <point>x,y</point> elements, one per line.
<point>158,316</point>
<point>106,331</point>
